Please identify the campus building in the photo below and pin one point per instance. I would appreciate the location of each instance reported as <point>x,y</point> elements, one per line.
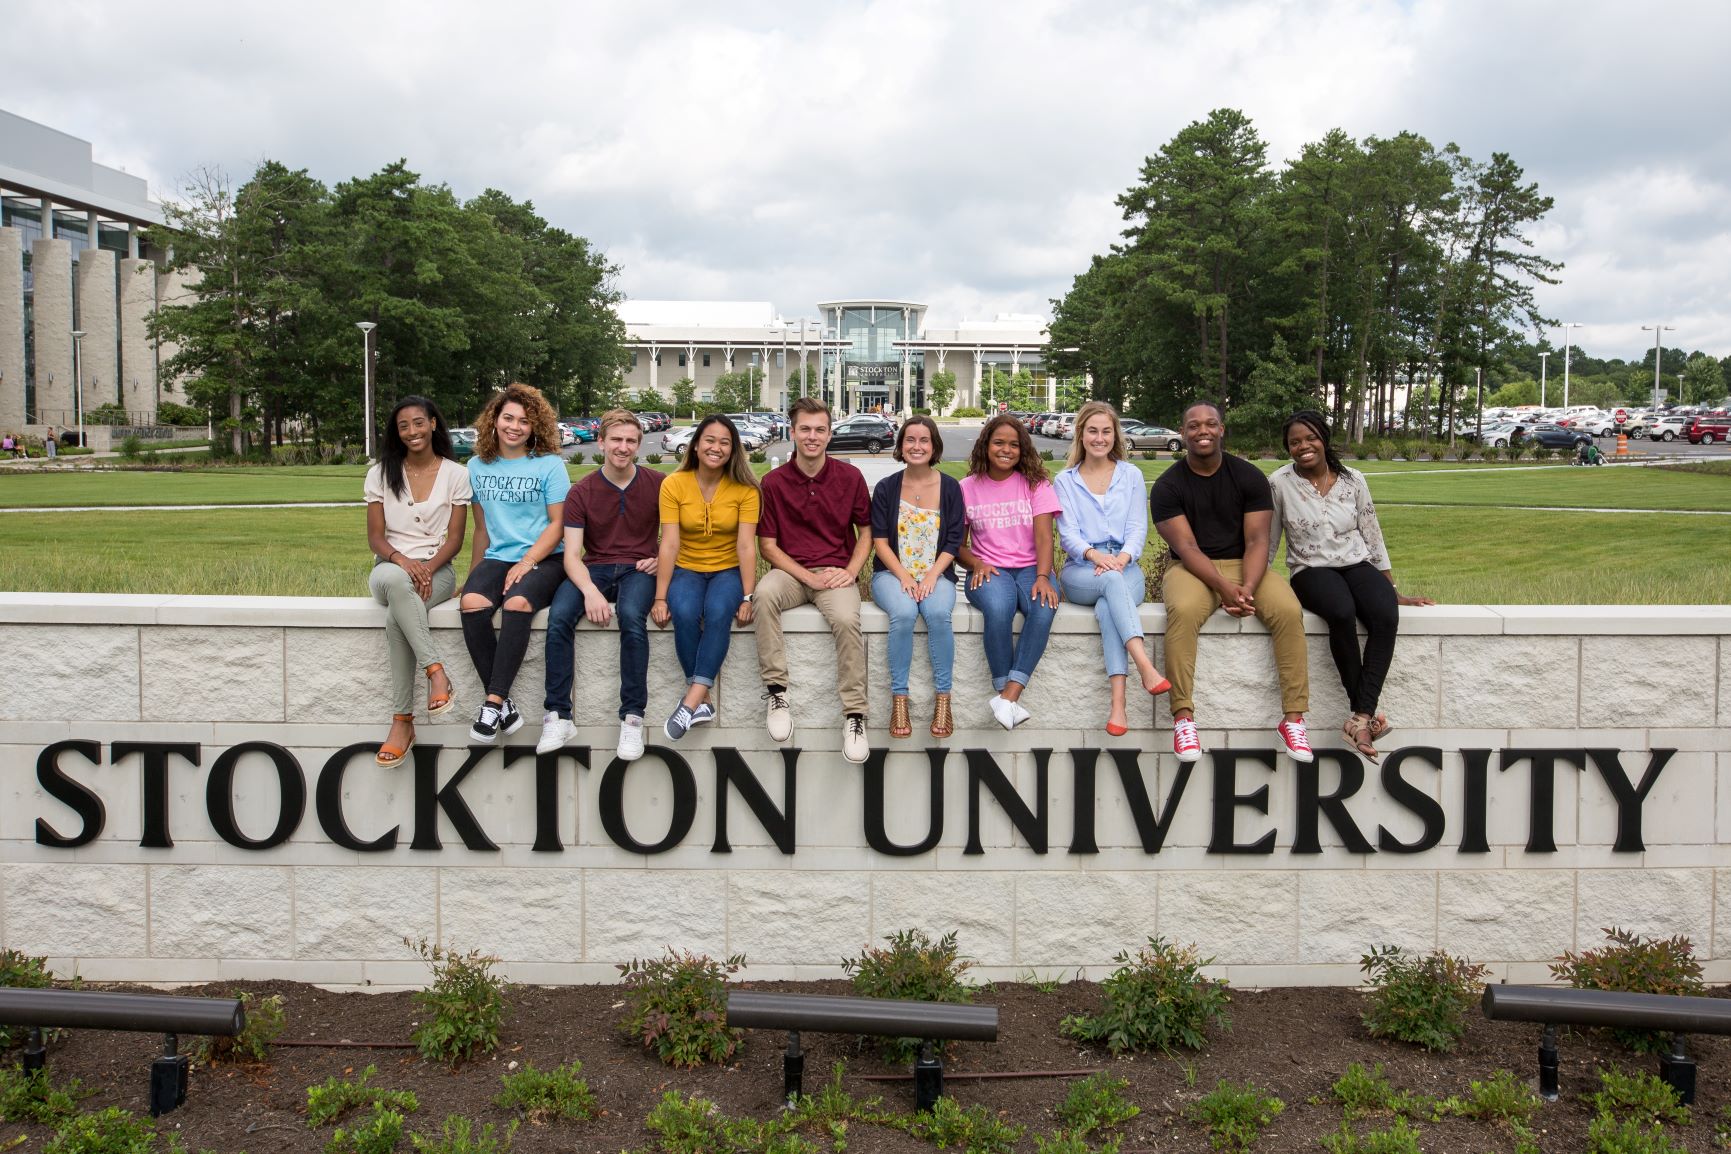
<point>857,354</point>
<point>77,283</point>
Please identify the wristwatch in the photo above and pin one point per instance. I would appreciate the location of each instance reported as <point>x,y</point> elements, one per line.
<point>747,598</point>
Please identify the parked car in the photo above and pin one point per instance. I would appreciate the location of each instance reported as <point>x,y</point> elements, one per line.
<point>1502,435</point>
<point>575,432</point>
<point>463,443</point>
<point>657,422</point>
<point>1140,436</point>
<point>866,431</point>
<point>1668,428</point>
<point>675,440</point>
<point>1556,437</point>
<point>1708,430</point>
<point>1066,427</point>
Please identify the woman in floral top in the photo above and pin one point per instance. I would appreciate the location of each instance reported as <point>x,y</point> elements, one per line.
<point>1339,567</point>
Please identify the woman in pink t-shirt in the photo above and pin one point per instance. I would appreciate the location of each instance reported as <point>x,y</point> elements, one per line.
<point>1008,556</point>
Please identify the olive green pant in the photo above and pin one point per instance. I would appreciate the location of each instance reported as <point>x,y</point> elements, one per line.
<point>407,636</point>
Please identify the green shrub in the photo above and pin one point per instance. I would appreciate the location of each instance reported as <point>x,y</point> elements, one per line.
<point>264,1023</point>
<point>21,971</point>
<point>1048,455</point>
<point>1070,1142</point>
<point>1606,1135</point>
<point>458,1136</point>
<point>967,411</point>
<point>1641,1096</point>
<point>1386,450</point>
<point>1644,965</point>
<point>130,447</point>
<point>912,967</point>
<point>697,1126</point>
<point>1365,1093</point>
<point>466,1002</point>
<point>678,1006</point>
<point>329,1102</point>
<point>110,1131</point>
<point>1234,1115</point>
<point>976,1129</point>
<point>1397,1139</point>
<point>1155,1001</point>
<point>1422,1000</point>
<point>652,459</point>
<point>546,1095</point>
<point>32,1098</point>
<point>1437,451</point>
<point>758,456</point>
<point>1505,1098</point>
<point>1096,1101</point>
<point>1363,451</point>
<point>598,458</point>
<point>169,413</point>
<point>378,1134</point>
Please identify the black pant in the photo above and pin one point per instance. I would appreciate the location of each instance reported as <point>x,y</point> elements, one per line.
<point>497,659</point>
<point>1344,597</point>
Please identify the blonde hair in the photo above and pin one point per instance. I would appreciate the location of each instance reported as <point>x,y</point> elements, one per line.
<point>618,417</point>
<point>1089,411</point>
<point>543,422</point>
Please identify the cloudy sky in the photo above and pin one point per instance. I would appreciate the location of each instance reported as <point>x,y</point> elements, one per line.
<point>962,154</point>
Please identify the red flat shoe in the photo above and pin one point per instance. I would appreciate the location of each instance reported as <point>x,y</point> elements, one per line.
<point>1117,730</point>
<point>1165,684</point>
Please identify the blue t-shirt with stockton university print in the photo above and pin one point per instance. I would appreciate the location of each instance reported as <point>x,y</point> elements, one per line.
<point>513,495</point>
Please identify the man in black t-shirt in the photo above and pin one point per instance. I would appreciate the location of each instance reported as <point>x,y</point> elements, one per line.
<point>1215,510</point>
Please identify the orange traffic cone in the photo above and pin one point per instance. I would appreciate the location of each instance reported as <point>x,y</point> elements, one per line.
<point>1622,444</point>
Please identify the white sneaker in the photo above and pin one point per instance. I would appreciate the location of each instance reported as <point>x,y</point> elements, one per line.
<point>1009,713</point>
<point>630,738</point>
<point>778,716</point>
<point>555,732</point>
<point>854,746</point>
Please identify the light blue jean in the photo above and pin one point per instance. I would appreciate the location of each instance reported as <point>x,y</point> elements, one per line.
<point>999,599</point>
<point>1114,597</point>
<point>904,611</point>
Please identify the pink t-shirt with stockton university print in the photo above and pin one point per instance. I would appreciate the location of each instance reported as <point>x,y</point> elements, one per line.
<point>1001,517</point>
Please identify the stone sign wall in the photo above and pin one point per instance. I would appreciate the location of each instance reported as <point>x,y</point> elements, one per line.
<point>187,793</point>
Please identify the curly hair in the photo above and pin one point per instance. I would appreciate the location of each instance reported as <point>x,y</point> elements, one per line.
<point>543,422</point>
<point>1030,466</point>
<point>1089,411</point>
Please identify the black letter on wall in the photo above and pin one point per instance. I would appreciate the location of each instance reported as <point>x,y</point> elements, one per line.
<point>612,802</point>
<point>1542,790</point>
<point>1313,802</point>
<point>328,802</point>
<point>1475,791</point>
<point>730,769</point>
<point>430,799</point>
<point>1082,800</point>
<point>874,804</point>
<point>81,800</point>
<point>1629,799</point>
<point>219,795</point>
<point>1410,797</point>
<point>156,755</point>
<point>1227,799</point>
<point>1031,824</point>
<point>547,838</point>
<point>1150,829</point>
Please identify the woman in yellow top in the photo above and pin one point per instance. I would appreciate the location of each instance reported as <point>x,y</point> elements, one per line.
<point>708,564</point>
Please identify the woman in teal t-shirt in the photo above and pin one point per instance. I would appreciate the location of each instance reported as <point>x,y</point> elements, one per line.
<point>520,483</point>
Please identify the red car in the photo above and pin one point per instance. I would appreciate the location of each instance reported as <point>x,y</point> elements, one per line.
<point>1709,430</point>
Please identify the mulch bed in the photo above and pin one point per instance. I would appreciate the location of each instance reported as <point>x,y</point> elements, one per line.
<point>1294,1042</point>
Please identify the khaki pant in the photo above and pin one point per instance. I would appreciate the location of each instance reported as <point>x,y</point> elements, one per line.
<point>780,591</point>
<point>1189,603</point>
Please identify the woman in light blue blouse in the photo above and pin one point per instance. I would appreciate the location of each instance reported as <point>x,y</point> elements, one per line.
<point>1103,526</point>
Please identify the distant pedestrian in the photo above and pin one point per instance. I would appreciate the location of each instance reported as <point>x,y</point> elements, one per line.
<point>50,445</point>
<point>7,445</point>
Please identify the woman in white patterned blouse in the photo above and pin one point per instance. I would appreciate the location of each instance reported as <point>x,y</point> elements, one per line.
<point>1339,567</point>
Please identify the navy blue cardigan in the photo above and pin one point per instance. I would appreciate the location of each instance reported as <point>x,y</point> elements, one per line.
<point>952,516</point>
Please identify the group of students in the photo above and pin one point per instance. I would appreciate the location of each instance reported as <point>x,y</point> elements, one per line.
<point>632,544</point>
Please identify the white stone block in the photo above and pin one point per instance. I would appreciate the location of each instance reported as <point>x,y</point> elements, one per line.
<point>1644,901</point>
<point>1237,918</point>
<point>1648,681</point>
<point>363,914</point>
<point>979,907</point>
<point>69,910</point>
<point>1506,916</point>
<point>211,911</point>
<point>797,917</point>
<point>344,675</point>
<point>1342,913</point>
<point>638,913</point>
<point>69,674</point>
<point>212,674</point>
<point>528,915</point>
<point>1510,681</point>
<point>1674,812</point>
<point>1082,919</point>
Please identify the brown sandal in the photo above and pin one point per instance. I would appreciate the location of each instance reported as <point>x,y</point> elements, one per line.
<point>943,725</point>
<point>901,725</point>
<point>1358,732</point>
<point>389,754</point>
<point>1380,727</point>
<point>439,705</point>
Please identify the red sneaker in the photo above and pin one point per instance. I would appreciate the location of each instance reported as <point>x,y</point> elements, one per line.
<point>1296,739</point>
<point>1185,743</point>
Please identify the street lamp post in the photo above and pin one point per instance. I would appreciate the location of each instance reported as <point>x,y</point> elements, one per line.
<point>1566,327</point>
<point>78,380</point>
<point>1544,363</point>
<point>1658,332</point>
<point>367,328</point>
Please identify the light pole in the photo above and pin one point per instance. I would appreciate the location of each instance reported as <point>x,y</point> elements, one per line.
<point>1566,327</point>
<point>367,328</point>
<point>1659,332</point>
<point>1544,363</point>
<point>78,380</point>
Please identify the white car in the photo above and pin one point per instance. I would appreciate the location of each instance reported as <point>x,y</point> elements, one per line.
<point>675,441</point>
<point>1668,428</point>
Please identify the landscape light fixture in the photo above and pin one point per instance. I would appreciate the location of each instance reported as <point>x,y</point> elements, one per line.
<point>367,328</point>
<point>1659,332</point>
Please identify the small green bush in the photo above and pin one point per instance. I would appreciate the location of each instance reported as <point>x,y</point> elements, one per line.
<point>1642,1096</point>
<point>33,1098</point>
<point>1505,1098</point>
<point>1386,450</point>
<point>466,1003</point>
<point>329,1102</point>
<point>598,458</point>
<point>697,1126</point>
<point>458,1136</point>
<point>1607,1135</point>
<point>1397,1139</point>
<point>976,1129</point>
<point>1366,1093</point>
<point>1070,1142</point>
<point>967,411</point>
<point>758,456</point>
<point>131,447</point>
<point>1095,1102</point>
<point>1644,965</point>
<point>1422,1000</point>
<point>110,1131</point>
<point>1234,1115</point>
<point>547,1095</point>
<point>678,1006</point>
<point>264,1023</point>
<point>1156,1000</point>
<point>1048,455</point>
<point>1436,451</point>
<point>652,459</point>
<point>915,968</point>
<point>378,1134</point>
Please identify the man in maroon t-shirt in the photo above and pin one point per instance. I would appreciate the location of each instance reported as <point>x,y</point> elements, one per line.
<point>815,529</point>
<point>612,535</point>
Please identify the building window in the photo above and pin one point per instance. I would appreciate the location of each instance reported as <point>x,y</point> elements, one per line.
<point>682,360</point>
<point>634,360</point>
<point>706,360</point>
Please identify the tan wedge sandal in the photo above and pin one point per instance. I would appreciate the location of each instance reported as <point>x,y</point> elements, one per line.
<point>943,725</point>
<point>901,725</point>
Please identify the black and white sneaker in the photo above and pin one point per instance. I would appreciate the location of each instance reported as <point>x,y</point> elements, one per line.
<point>510,721</point>
<point>487,722</point>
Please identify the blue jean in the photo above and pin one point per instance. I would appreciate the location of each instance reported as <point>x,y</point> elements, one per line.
<point>999,599</point>
<point>1114,597</point>
<point>703,606</point>
<point>632,592</point>
<point>904,610</point>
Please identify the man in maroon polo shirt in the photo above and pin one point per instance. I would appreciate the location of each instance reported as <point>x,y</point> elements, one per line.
<point>815,529</point>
